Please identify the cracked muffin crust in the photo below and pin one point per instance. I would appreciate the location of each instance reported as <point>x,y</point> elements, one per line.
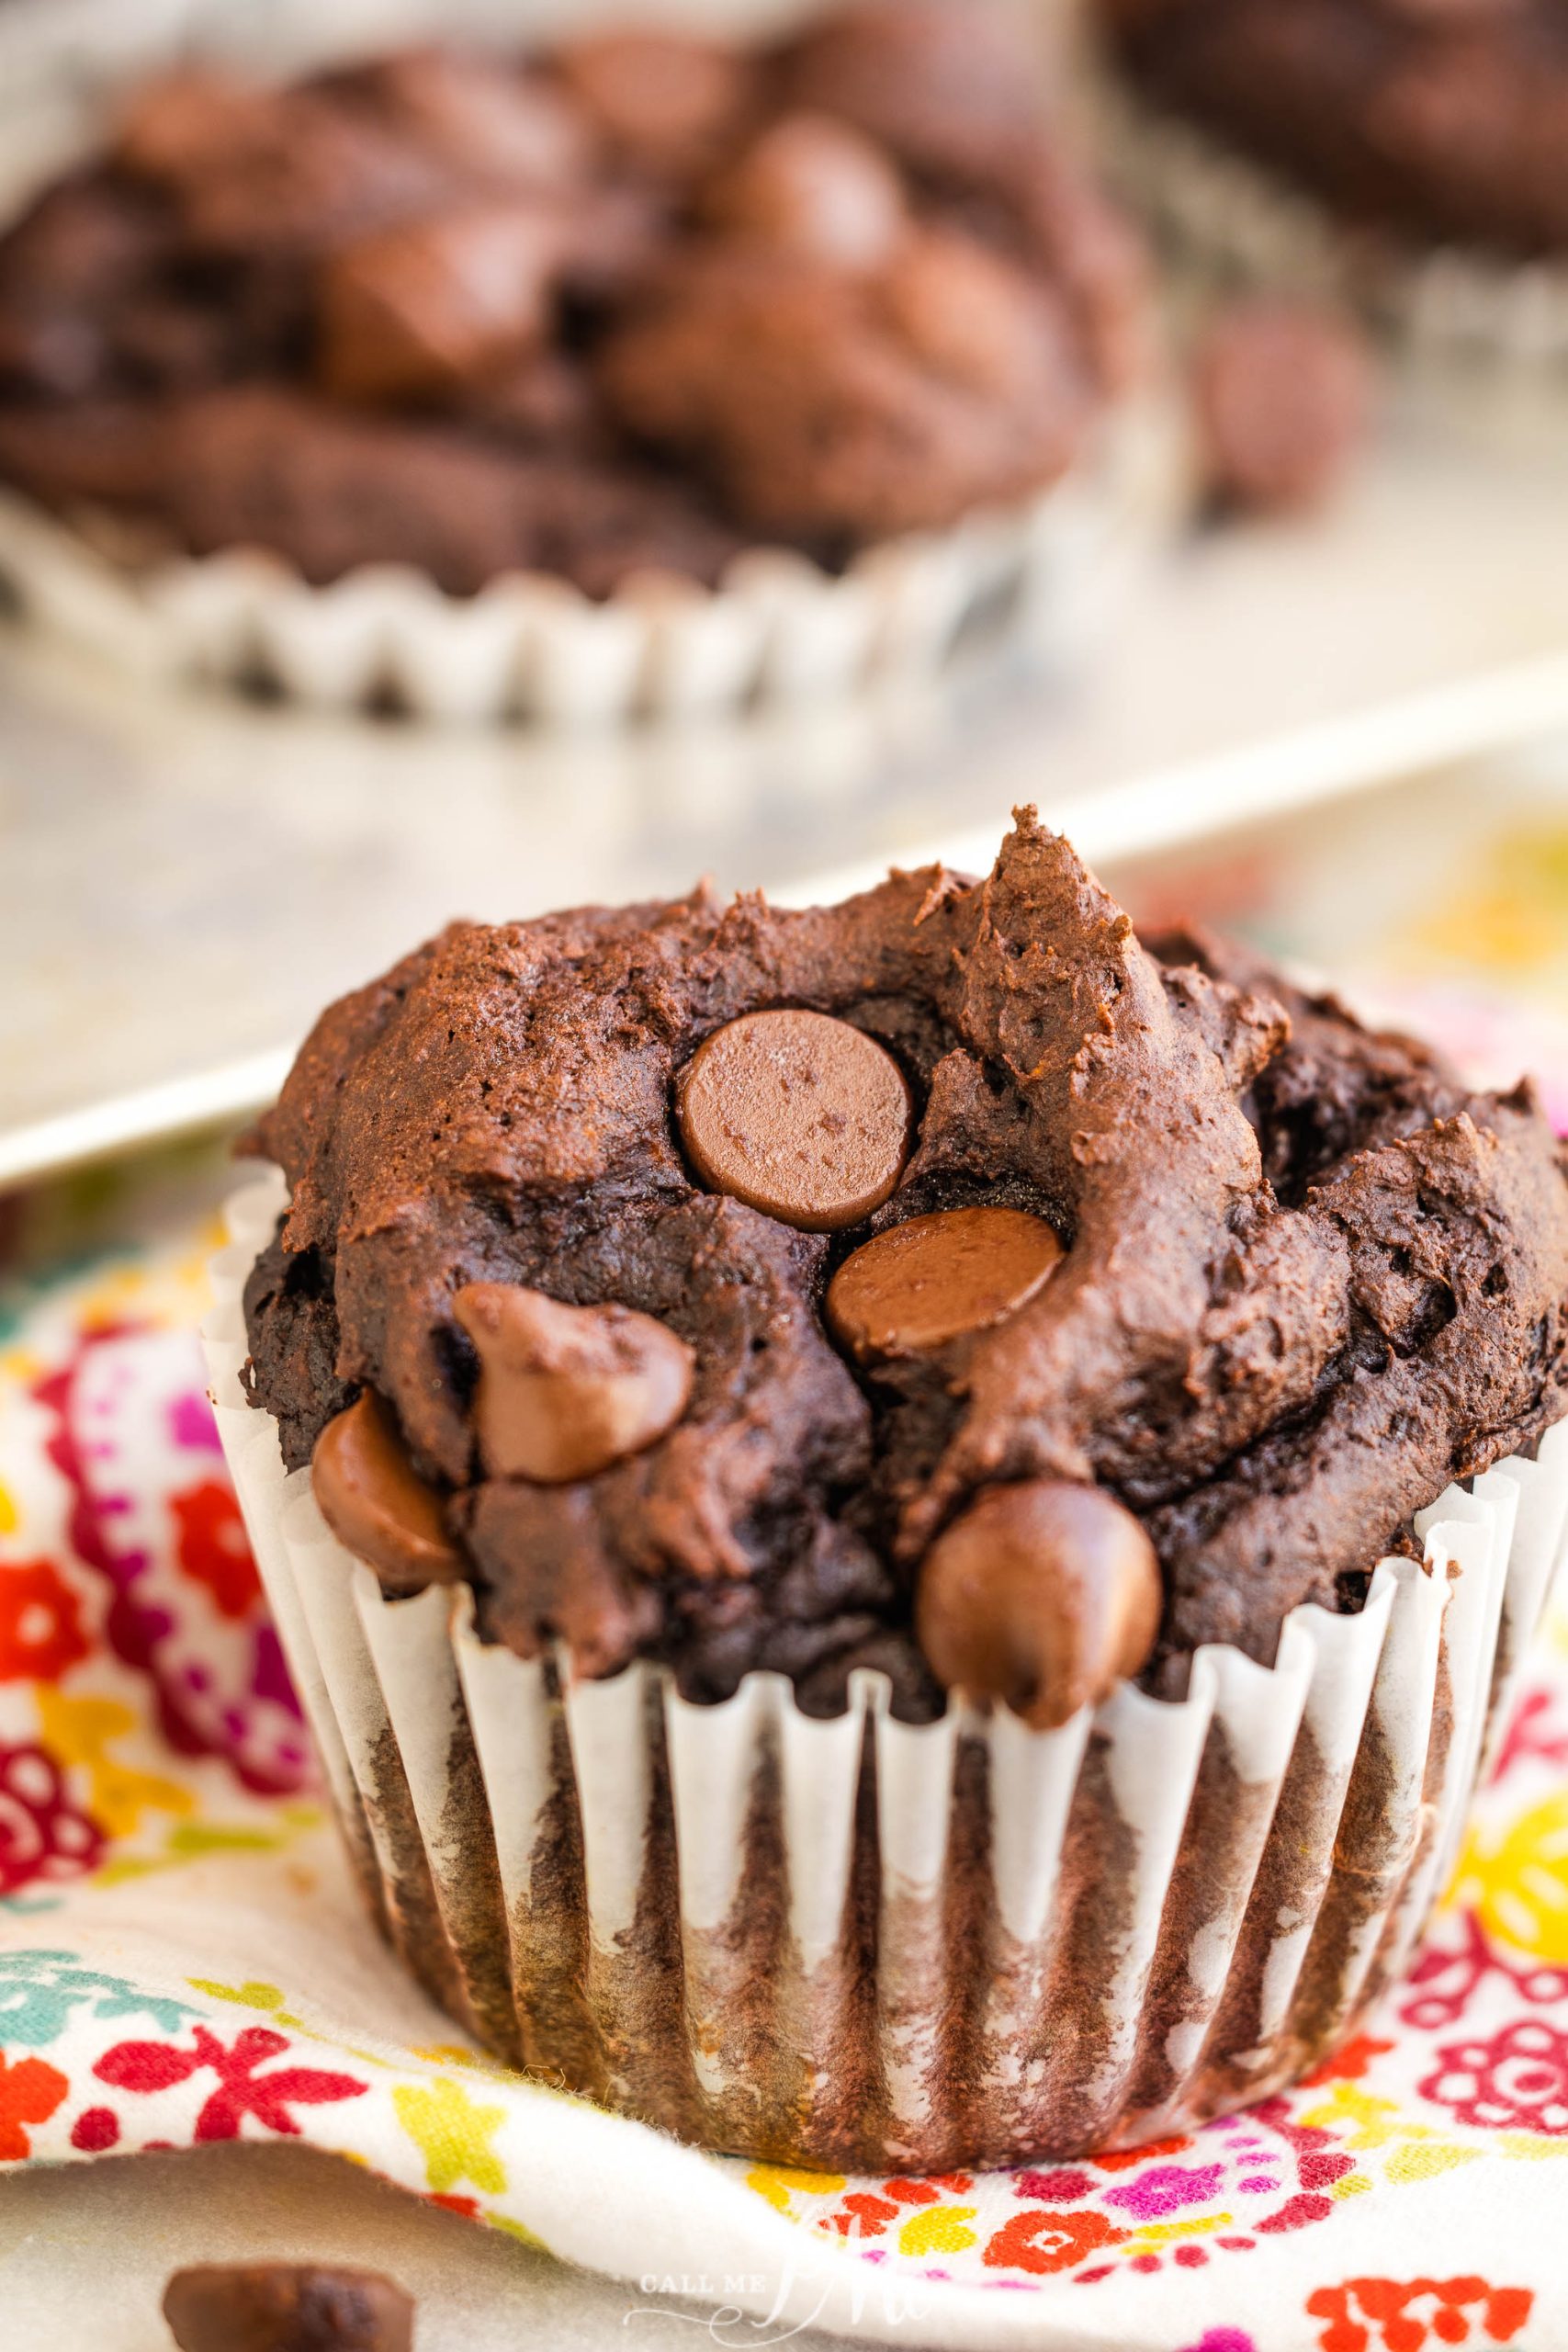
<point>1255,1282</point>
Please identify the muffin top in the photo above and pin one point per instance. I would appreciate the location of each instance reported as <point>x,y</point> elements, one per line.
<point>1444,118</point>
<point>946,1281</point>
<point>622,306</point>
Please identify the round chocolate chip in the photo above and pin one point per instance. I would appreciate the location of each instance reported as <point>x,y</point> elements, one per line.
<point>1045,1595</point>
<point>284,2306</point>
<point>813,185</point>
<point>798,1115</point>
<point>926,1282</point>
<point>375,1502</point>
<point>565,1391</point>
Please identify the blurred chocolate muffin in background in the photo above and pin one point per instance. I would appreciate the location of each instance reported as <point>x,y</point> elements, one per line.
<point>625,305</point>
<point>1446,121</point>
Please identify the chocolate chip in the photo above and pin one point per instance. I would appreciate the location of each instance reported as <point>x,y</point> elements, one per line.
<point>799,1115</point>
<point>926,1282</point>
<point>668,101</point>
<point>565,1391</point>
<point>287,2307</point>
<point>1045,1595</point>
<point>432,305</point>
<point>374,1501</point>
<point>814,186</point>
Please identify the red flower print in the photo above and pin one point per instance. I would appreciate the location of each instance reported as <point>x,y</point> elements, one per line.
<point>1040,2241</point>
<point>212,1547</point>
<point>41,1622</point>
<point>1518,2081</point>
<point>1123,2159</point>
<point>863,2215</point>
<point>159,2065</point>
<point>41,1833</point>
<point>30,2093</point>
<point>1350,2063</point>
<point>1383,2311</point>
<point>1446,1979</point>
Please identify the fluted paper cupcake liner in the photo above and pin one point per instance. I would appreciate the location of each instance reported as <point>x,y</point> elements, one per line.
<point>776,630</point>
<point>1450,308</point>
<point>859,1943</point>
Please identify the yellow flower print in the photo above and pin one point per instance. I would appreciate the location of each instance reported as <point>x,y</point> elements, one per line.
<point>453,2133</point>
<point>252,1995</point>
<point>78,1731</point>
<point>938,2229</point>
<point>1517,1882</point>
<point>777,2184</point>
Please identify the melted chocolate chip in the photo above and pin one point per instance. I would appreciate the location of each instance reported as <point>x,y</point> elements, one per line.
<point>926,1282</point>
<point>1044,1595</point>
<point>797,1114</point>
<point>374,1501</point>
<point>565,1391</point>
<point>287,2307</point>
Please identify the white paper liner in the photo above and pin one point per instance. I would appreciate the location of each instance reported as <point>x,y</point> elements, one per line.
<point>862,1944</point>
<point>777,630</point>
<point>1451,311</point>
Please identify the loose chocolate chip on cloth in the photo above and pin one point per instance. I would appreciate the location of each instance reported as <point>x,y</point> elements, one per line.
<point>1306,1276</point>
<point>287,2307</point>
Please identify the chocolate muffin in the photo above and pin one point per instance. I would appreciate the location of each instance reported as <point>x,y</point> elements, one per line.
<point>620,307</point>
<point>756,1289</point>
<point>863,1500</point>
<point>1443,123</point>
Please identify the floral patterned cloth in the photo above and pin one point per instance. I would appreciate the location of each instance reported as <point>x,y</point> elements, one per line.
<point>182,1961</point>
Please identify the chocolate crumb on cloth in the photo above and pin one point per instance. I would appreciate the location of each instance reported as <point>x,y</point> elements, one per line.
<point>625,305</point>
<point>1268,1283</point>
<point>287,2307</point>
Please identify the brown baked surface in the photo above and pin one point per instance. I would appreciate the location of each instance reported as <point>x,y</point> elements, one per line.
<point>1447,119</point>
<point>1308,1278</point>
<point>628,304</point>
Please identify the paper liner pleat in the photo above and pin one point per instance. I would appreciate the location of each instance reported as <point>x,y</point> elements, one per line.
<point>776,630</point>
<point>860,1943</point>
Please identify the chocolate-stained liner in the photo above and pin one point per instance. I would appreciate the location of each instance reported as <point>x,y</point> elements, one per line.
<point>776,631</point>
<point>1454,311</point>
<point>858,1944</point>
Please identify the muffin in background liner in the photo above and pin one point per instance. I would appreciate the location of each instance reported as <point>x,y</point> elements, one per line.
<point>778,630</point>
<point>858,1944</point>
<point>1454,312</point>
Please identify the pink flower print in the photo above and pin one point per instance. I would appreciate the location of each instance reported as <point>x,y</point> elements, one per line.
<point>42,1835</point>
<point>1166,2189</point>
<point>1517,2082</point>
